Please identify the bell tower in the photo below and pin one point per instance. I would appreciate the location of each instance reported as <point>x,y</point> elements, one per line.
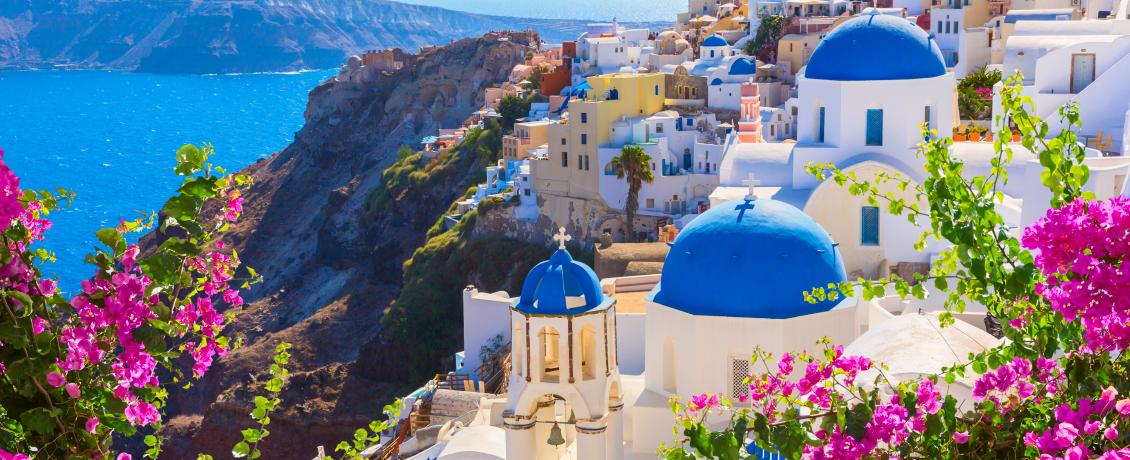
<point>564,385</point>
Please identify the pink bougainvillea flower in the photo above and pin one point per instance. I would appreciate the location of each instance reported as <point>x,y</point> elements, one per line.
<point>56,379</point>
<point>92,425</point>
<point>73,391</point>
<point>38,325</point>
<point>960,437</point>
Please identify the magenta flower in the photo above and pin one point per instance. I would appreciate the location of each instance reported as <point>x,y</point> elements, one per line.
<point>72,390</point>
<point>56,379</point>
<point>92,425</point>
<point>10,193</point>
<point>960,437</point>
<point>38,325</point>
<point>140,413</point>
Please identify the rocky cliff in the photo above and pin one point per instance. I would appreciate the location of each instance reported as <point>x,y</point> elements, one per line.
<point>228,36</point>
<point>330,222</point>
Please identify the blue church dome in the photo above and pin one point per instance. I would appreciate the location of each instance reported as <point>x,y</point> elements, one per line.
<point>715,40</point>
<point>550,285</point>
<point>743,66</point>
<point>750,259</point>
<point>876,47</point>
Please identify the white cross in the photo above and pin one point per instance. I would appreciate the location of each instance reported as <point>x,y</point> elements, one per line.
<point>561,238</point>
<point>752,184</point>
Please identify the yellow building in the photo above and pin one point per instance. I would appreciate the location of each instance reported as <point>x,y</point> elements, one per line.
<point>527,136</point>
<point>567,183</point>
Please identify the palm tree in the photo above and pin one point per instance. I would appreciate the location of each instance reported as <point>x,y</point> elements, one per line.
<point>633,165</point>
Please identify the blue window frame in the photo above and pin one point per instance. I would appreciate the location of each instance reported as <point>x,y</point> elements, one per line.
<point>656,90</point>
<point>584,117</point>
<point>869,226</point>
<point>874,126</point>
<point>584,139</point>
<point>820,131</point>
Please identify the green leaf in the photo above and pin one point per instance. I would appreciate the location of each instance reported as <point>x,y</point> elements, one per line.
<point>200,187</point>
<point>38,420</point>
<point>190,160</point>
<point>111,238</point>
<point>240,450</point>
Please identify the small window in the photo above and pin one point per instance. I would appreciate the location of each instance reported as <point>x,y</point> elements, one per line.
<point>527,191</point>
<point>875,127</point>
<point>564,159</point>
<point>581,163</point>
<point>690,122</point>
<point>739,372</point>
<point>820,126</point>
<point>939,27</point>
<point>659,128</point>
<point>651,203</point>
<point>584,117</point>
<point>584,139</point>
<point>656,90</point>
<point>562,141</point>
<point>926,120</point>
<point>869,226</point>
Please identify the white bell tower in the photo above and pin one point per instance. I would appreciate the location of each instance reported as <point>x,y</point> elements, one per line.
<point>564,398</point>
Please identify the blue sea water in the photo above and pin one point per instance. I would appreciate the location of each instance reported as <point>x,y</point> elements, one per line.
<point>593,10</point>
<point>111,137</point>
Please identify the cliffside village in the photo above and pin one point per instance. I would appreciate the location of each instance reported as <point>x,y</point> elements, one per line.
<point>580,364</point>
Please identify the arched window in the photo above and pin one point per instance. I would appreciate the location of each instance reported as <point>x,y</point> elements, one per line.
<point>588,353</point>
<point>669,383</point>
<point>550,354</point>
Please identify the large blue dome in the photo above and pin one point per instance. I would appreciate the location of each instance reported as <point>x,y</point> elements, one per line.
<point>743,66</point>
<point>751,259</point>
<point>876,47</point>
<point>560,286</point>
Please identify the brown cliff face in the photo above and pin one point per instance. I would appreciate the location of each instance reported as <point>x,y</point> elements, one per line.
<point>329,274</point>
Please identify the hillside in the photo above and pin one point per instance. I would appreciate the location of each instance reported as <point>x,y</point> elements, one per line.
<point>231,36</point>
<point>337,223</point>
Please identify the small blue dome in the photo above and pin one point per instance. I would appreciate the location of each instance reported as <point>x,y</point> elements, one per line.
<point>716,82</point>
<point>750,259</point>
<point>743,66</point>
<point>715,40</point>
<point>550,284</point>
<point>876,47</point>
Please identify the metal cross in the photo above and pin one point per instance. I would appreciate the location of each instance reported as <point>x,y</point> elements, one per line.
<point>561,238</point>
<point>752,184</point>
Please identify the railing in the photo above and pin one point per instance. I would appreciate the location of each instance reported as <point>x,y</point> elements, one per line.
<point>495,370</point>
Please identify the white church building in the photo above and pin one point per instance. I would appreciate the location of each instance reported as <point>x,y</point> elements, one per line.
<point>594,362</point>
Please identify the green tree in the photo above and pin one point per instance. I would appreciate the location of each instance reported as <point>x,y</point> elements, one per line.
<point>764,43</point>
<point>634,166</point>
<point>512,108</point>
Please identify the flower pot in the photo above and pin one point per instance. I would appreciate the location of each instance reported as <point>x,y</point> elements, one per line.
<point>1015,138</point>
<point>975,137</point>
<point>959,138</point>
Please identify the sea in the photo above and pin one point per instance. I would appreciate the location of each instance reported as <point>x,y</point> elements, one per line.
<point>593,10</point>
<point>111,138</point>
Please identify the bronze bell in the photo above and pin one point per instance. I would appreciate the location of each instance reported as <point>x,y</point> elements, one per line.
<point>555,437</point>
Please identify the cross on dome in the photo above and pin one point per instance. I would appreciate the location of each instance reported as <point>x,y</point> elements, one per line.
<point>561,238</point>
<point>752,183</point>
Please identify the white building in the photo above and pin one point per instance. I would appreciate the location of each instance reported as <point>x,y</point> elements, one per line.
<point>1087,62</point>
<point>609,48</point>
<point>593,363</point>
<point>685,156</point>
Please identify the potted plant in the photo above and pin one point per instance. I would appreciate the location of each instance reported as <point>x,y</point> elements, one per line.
<point>959,133</point>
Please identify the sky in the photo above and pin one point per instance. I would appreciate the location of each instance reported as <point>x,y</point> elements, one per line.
<point>601,10</point>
